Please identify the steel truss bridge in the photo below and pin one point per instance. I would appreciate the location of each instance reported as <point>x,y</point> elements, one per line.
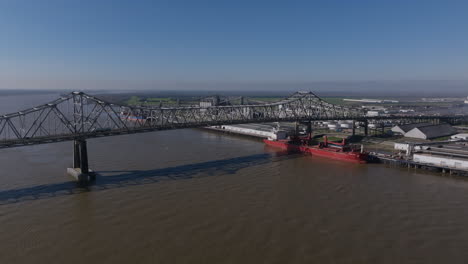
<point>78,116</point>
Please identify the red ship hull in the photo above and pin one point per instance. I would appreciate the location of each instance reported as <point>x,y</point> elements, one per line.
<point>327,152</point>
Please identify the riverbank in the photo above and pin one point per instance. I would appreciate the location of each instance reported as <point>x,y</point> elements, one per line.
<point>381,149</point>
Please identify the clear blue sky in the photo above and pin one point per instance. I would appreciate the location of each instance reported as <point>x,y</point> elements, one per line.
<point>65,43</point>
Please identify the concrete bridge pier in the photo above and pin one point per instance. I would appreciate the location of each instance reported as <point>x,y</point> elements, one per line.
<point>80,170</point>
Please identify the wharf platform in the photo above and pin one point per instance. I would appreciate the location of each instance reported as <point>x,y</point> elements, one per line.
<point>407,163</point>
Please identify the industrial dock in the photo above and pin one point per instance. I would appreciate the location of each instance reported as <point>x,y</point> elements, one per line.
<point>447,157</point>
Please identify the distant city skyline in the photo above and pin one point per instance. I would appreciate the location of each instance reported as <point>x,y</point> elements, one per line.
<point>55,44</point>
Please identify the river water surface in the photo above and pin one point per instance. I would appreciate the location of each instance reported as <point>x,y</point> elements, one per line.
<point>193,196</point>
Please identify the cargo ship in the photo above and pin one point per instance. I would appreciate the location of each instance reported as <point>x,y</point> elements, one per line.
<point>328,149</point>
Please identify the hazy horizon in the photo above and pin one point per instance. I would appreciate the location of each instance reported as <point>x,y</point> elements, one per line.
<point>356,88</point>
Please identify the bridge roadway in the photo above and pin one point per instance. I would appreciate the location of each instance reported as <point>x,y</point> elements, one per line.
<point>79,116</point>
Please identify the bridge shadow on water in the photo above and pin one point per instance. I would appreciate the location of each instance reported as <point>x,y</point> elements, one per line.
<point>120,179</point>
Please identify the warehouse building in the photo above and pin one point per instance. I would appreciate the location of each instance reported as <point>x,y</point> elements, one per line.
<point>431,131</point>
<point>452,156</point>
<point>403,129</point>
<point>441,160</point>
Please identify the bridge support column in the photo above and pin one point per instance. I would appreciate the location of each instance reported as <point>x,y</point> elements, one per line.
<point>366,127</point>
<point>80,170</point>
<point>76,154</point>
<point>309,129</point>
<point>84,157</point>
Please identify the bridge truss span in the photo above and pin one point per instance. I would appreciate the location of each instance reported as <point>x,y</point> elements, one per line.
<point>80,116</point>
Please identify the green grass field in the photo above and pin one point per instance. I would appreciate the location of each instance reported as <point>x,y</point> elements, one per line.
<point>334,100</point>
<point>134,100</point>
